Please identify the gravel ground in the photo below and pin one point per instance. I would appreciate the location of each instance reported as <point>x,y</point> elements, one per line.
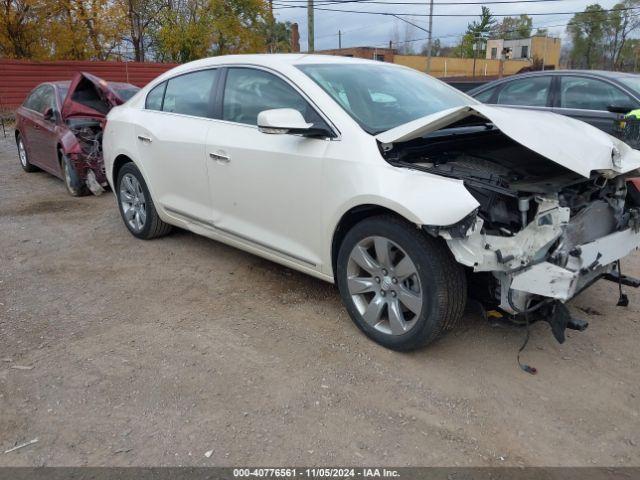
<point>116,351</point>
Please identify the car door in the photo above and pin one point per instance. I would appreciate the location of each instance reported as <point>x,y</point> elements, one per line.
<point>266,188</point>
<point>532,92</point>
<point>31,124</point>
<point>170,135</point>
<point>46,133</point>
<point>587,99</point>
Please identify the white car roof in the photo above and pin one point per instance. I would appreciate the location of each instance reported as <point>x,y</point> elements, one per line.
<point>274,60</point>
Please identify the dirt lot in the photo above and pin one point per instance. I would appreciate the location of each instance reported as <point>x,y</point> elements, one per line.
<point>153,353</point>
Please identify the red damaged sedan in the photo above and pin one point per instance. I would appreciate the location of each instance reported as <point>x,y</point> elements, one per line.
<point>59,129</point>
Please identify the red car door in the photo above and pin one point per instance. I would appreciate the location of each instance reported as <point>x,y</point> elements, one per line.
<point>29,123</point>
<point>44,136</point>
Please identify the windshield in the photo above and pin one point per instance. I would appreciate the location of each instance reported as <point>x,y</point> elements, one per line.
<point>381,97</point>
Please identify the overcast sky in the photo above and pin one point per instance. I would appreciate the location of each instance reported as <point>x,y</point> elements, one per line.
<point>376,30</point>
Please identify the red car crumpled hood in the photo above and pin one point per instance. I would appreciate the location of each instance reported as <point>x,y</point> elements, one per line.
<point>89,96</point>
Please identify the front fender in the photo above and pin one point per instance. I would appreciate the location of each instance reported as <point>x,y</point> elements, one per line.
<point>70,143</point>
<point>421,198</point>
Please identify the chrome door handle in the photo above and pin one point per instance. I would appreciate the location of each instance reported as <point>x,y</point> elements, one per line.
<point>219,158</point>
<point>144,139</point>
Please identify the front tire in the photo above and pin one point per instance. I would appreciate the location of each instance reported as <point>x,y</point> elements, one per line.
<point>401,287</point>
<point>73,182</point>
<point>136,206</point>
<point>23,156</point>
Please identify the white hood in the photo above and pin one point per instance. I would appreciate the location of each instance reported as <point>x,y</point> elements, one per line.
<point>571,143</point>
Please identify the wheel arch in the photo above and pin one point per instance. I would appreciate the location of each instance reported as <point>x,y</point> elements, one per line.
<point>350,218</point>
<point>120,161</point>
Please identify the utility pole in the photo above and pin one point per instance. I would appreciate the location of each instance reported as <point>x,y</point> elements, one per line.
<point>310,33</point>
<point>339,40</point>
<point>430,37</point>
<point>544,54</point>
<point>271,28</point>
<point>475,53</point>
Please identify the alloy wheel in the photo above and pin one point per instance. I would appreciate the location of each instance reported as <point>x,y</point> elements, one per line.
<point>133,202</point>
<point>384,285</point>
<point>22,153</point>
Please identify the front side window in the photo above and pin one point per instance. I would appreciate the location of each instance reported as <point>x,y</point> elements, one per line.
<point>381,97</point>
<point>191,93</point>
<point>591,94</point>
<point>37,100</point>
<point>249,91</point>
<point>49,99</point>
<point>533,91</point>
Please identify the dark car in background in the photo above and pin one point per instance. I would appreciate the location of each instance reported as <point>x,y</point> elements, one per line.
<point>59,129</point>
<point>595,97</point>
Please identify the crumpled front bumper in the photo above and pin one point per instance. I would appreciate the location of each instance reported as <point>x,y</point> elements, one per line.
<point>591,260</point>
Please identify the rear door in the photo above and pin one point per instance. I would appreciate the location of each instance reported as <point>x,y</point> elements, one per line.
<point>171,135</point>
<point>587,99</point>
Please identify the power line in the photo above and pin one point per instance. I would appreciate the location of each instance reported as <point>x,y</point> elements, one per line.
<point>366,12</point>
<point>462,35</point>
<point>292,3</point>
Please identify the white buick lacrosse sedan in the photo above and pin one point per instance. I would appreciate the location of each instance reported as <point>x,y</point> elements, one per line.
<point>395,186</point>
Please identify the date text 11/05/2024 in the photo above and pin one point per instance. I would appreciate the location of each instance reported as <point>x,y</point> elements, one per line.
<point>315,472</point>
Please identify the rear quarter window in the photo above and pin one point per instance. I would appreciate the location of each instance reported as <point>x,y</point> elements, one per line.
<point>155,96</point>
<point>485,96</point>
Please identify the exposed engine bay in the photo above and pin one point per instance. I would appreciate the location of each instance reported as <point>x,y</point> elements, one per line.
<point>88,132</point>
<point>542,232</point>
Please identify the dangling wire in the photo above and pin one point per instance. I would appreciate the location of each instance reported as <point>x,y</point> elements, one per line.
<point>623,300</point>
<point>523,366</point>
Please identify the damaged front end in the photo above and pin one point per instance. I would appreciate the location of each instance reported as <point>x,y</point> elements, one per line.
<point>86,152</point>
<point>84,111</point>
<point>545,228</point>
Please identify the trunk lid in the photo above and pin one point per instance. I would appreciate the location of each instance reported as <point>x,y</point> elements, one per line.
<point>571,143</point>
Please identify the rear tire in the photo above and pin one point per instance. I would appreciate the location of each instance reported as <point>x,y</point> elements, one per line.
<point>136,205</point>
<point>402,288</point>
<point>23,156</point>
<point>75,185</point>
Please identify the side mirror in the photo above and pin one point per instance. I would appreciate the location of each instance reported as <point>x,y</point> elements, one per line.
<point>620,108</point>
<point>288,120</point>
<point>50,115</point>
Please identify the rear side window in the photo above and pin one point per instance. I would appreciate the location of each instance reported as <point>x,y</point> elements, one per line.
<point>533,92</point>
<point>154,97</point>
<point>249,91</point>
<point>191,94</point>
<point>591,94</point>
